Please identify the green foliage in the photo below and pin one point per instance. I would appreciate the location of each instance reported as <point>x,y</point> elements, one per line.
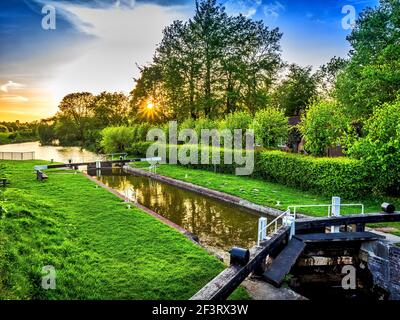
<point>372,75</point>
<point>110,109</point>
<point>380,148</point>
<point>237,120</point>
<point>46,133</point>
<point>322,126</point>
<point>296,91</point>
<point>139,149</point>
<point>140,131</point>
<point>344,177</point>
<point>270,127</point>
<point>211,65</point>
<point>117,139</point>
<point>16,132</point>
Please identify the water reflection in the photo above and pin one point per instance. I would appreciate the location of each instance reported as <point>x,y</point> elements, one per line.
<point>58,154</point>
<point>216,223</point>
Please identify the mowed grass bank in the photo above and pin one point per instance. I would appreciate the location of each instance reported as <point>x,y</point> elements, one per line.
<point>270,194</point>
<point>99,248</point>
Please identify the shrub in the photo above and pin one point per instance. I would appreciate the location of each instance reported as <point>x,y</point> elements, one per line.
<point>270,127</point>
<point>344,177</point>
<point>380,148</point>
<point>46,133</point>
<point>116,139</point>
<point>238,120</point>
<point>322,126</point>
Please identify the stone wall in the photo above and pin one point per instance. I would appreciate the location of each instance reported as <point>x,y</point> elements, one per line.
<point>383,261</point>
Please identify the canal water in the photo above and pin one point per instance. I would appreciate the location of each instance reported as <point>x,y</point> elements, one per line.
<point>217,224</point>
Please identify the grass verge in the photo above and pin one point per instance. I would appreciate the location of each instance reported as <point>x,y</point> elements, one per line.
<point>99,248</point>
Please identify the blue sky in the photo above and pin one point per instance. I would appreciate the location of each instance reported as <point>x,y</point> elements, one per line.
<point>96,43</point>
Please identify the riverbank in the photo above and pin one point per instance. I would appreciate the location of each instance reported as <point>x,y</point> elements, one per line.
<point>98,247</point>
<point>270,194</point>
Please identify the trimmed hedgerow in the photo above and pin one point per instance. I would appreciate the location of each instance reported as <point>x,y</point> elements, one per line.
<point>328,176</point>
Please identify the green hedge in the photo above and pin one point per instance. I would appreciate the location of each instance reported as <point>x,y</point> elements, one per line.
<point>343,177</point>
<point>328,176</point>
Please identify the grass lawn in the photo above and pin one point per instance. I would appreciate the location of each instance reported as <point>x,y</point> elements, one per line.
<point>99,248</point>
<point>270,194</point>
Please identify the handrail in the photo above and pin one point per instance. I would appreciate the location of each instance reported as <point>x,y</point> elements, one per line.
<point>275,221</point>
<point>329,206</point>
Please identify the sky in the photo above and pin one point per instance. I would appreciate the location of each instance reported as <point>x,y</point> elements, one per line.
<point>96,44</point>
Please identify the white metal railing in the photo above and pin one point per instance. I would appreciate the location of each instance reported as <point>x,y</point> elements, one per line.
<point>328,206</point>
<point>263,229</point>
<point>5,155</point>
<point>289,217</point>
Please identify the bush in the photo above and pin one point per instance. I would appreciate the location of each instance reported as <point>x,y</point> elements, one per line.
<point>139,149</point>
<point>116,139</point>
<point>46,133</point>
<point>344,177</point>
<point>270,127</point>
<point>348,178</point>
<point>322,126</point>
<point>238,120</point>
<point>380,148</point>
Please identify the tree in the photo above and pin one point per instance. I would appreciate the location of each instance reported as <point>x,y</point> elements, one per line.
<point>110,109</point>
<point>116,139</point>
<point>296,91</point>
<point>327,75</point>
<point>372,76</point>
<point>322,125</point>
<point>74,117</point>
<point>380,148</point>
<point>46,132</point>
<point>212,64</point>
<point>270,127</point>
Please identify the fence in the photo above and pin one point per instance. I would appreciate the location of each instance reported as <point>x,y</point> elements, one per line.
<point>17,155</point>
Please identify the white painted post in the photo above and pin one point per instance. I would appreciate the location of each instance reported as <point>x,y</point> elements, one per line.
<point>335,212</point>
<point>289,221</point>
<point>262,231</point>
<point>98,164</point>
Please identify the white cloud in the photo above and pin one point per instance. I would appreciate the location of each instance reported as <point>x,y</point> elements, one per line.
<point>273,9</point>
<point>248,8</point>
<point>122,36</point>
<point>12,98</point>
<point>11,85</point>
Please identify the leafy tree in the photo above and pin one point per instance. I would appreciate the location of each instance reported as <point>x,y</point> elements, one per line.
<point>74,117</point>
<point>270,127</point>
<point>110,109</point>
<point>322,126</point>
<point>372,75</point>
<point>296,90</point>
<point>212,64</point>
<point>327,75</point>
<point>380,148</point>
<point>46,132</point>
<point>116,139</point>
<point>3,129</point>
<point>238,120</point>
